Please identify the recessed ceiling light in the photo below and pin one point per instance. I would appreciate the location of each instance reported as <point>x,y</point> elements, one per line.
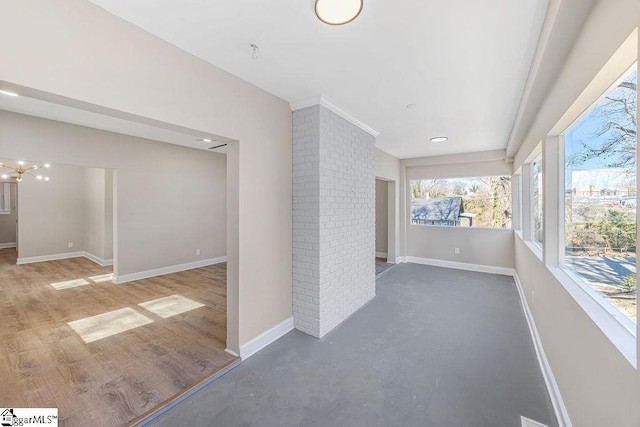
<point>8,93</point>
<point>206,140</point>
<point>411,106</point>
<point>338,12</point>
<point>439,139</point>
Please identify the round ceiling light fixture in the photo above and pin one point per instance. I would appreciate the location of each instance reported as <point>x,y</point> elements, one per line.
<point>338,12</point>
<point>439,139</point>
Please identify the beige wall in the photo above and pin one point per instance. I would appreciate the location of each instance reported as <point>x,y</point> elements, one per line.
<point>598,385</point>
<point>108,215</point>
<point>163,216</point>
<point>481,246</point>
<point>8,221</point>
<point>387,168</point>
<point>94,211</point>
<point>103,60</point>
<point>382,207</point>
<point>51,214</point>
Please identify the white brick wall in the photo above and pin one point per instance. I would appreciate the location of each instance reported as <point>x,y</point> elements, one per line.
<point>333,219</point>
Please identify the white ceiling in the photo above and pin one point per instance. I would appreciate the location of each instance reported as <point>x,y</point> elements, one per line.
<point>63,113</point>
<point>463,62</point>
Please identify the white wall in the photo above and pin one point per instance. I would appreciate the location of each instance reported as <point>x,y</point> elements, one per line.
<point>382,215</point>
<point>105,61</point>
<point>333,219</point>
<point>597,383</point>
<point>8,221</point>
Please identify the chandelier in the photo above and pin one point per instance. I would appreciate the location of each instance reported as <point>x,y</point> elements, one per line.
<point>17,172</point>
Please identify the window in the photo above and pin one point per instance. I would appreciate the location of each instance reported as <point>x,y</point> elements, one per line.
<point>600,196</point>
<point>537,203</point>
<point>462,202</point>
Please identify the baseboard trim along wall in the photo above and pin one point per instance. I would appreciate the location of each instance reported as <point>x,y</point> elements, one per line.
<point>124,278</point>
<point>250,348</point>
<point>381,255</point>
<point>554,392</point>
<point>98,260</point>
<point>8,245</point>
<point>461,265</point>
<point>43,258</point>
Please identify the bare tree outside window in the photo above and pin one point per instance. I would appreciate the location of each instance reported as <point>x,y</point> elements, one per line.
<point>462,202</point>
<point>600,196</point>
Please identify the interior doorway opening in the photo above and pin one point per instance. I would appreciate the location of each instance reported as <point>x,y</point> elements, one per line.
<point>166,324</point>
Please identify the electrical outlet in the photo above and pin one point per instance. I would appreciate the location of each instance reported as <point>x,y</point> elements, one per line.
<point>197,252</point>
<point>70,244</point>
<point>456,251</point>
<point>533,297</point>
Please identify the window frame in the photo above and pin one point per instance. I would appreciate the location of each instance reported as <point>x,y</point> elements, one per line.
<point>606,306</point>
<point>410,199</point>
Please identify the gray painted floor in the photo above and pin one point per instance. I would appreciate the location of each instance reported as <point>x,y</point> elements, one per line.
<point>436,347</point>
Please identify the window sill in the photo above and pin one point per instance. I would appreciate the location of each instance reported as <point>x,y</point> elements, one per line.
<point>534,247</point>
<point>621,331</point>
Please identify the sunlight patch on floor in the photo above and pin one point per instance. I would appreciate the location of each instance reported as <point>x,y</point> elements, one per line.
<point>69,284</point>
<point>170,306</point>
<point>102,278</point>
<point>105,325</point>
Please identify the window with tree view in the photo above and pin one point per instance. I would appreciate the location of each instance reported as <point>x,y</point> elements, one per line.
<point>462,202</point>
<point>537,201</point>
<point>600,196</point>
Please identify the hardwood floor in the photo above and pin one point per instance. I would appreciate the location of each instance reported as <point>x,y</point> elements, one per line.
<point>111,381</point>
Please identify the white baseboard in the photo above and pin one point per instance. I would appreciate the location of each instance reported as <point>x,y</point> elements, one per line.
<point>124,278</point>
<point>97,259</point>
<point>8,245</point>
<point>43,258</point>
<point>401,260</point>
<point>554,392</point>
<point>250,348</point>
<point>461,265</point>
<point>381,255</point>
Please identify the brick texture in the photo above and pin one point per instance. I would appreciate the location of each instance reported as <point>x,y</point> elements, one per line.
<point>333,219</point>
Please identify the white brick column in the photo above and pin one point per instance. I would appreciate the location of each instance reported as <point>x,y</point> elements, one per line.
<point>333,219</point>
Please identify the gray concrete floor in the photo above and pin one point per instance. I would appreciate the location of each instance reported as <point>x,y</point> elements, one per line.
<point>436,347</point>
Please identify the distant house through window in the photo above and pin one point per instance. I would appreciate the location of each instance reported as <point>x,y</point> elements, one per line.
<point>462,202</point>
<point>600,195</point>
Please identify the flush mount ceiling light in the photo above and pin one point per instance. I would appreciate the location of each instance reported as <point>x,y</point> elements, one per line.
<point>8,93</point>
<point>17,172</point>
<point>439,139</point>
<point>338,12</point>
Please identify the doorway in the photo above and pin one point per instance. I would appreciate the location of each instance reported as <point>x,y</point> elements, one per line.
<point>8,222</point>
